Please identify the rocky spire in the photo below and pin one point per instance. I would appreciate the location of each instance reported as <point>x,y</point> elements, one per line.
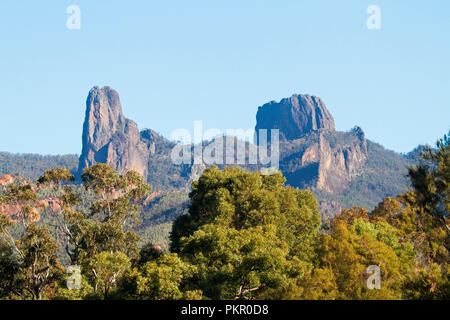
<point>108,137</point>
<point>294,116</point>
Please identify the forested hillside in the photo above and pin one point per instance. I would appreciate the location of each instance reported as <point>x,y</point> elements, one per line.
<point>244,235</point>
<point>33,165</point>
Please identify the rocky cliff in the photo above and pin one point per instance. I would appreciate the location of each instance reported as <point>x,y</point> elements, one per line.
<point>342,168</point>
<point>108,137</point>
<point>294,116</point>
<point>324,160</point>
<point>340,163</point>
<point>312,153</point>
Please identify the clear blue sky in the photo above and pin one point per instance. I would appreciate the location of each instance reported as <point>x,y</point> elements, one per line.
<point>174,62</point>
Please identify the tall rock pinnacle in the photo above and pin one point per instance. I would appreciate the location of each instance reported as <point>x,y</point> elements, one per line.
<point>294,116</point>
<point>108,137</point>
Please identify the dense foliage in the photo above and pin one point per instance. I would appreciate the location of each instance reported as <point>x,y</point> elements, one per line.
<point>33,165</point>
<point>245,235</point>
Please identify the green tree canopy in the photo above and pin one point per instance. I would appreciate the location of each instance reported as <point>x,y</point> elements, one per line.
<point>246,232</point>
<point>431,181</point>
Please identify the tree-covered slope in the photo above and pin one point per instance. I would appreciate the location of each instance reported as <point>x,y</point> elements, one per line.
<point>33,165</point>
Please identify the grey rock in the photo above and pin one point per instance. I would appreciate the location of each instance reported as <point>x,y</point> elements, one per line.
<point>324,160</point>
<point>108,137</point>
<point>294,117</point>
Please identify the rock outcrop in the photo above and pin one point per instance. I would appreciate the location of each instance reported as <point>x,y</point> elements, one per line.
<point>6,179</point>
<point>312,153</point>
<point>49,205</point>
<point>108,137</point>
<point>324,160</point>
<point>294,117</point>
<point>338,165</point>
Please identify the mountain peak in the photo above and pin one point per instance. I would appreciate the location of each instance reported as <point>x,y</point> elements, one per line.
<point>108,137</point>
<point>294,116</point>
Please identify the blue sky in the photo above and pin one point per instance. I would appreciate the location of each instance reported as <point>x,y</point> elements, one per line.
<point>174,62</point>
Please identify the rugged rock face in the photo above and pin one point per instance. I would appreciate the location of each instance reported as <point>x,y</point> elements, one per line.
<point>108,137</point>
<point>294,116</point>
<point>324,160</point>
<point>339,165</point>
<point>312,153</point>
<point>6,179</point>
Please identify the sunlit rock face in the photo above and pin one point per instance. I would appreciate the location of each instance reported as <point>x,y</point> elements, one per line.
<point>294,117</point>
<point>325,160</point>
<point>313,154</point>
<point>108,137</point>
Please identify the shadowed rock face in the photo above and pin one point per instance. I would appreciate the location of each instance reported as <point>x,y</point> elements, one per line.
<point>294,116</point>
<point>325,160</point>
<point>340,164</point>
<point>313,154</point>
<point>108,137</point>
